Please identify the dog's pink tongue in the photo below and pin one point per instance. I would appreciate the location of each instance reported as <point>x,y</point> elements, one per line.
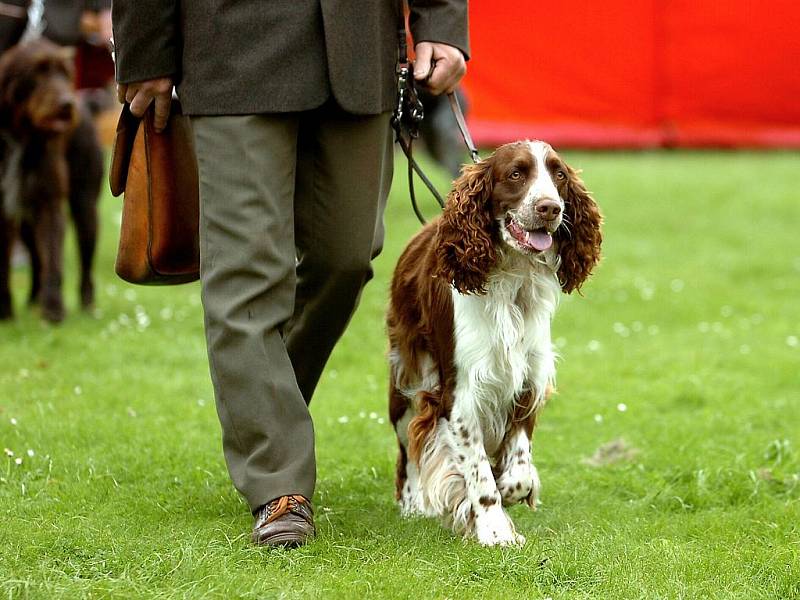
<point>539,239</point>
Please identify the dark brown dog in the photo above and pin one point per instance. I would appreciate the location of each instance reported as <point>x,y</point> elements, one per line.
<point>48,152</point>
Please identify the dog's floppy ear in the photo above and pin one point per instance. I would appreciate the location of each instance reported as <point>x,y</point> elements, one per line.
<point>465,247</point>
<point>580,238</point>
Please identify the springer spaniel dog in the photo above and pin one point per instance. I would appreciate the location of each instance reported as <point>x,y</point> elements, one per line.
<point>471,358</point>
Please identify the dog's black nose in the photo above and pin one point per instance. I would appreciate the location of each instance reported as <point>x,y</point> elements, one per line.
<point>547,210</point>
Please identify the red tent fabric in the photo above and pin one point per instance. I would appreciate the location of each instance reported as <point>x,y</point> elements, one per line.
<point>636,74</point>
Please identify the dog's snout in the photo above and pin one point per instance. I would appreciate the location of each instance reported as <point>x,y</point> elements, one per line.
<point>547,210</point>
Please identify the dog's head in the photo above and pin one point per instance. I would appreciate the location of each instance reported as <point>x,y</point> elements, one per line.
<point>37,91</point>
<point>526,199</point>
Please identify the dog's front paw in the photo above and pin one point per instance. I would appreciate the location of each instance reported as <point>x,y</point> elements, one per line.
<point>519,484</point>
<point>494,528</point>
<point>87,294</point>
<point>53,312</point>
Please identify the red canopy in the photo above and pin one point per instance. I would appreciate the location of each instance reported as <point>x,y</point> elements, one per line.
<point>636,74</point>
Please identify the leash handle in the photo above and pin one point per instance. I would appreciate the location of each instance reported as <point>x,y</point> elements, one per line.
<point>462,126</point>
<point>409,113</point>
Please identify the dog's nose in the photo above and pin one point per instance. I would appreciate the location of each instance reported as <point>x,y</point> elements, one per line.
<point>547,210</point>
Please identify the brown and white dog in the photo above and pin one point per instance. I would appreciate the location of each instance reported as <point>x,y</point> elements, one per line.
<point>472,361</point>
<point>49,152</point>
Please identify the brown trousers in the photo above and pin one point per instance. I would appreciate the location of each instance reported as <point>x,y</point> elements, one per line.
<point>291,216</point>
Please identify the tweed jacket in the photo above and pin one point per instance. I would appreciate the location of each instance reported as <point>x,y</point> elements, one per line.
<point>256,56</point>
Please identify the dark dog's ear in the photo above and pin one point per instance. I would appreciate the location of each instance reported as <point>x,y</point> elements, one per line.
<point>465,240</point>
<point>580,238</point>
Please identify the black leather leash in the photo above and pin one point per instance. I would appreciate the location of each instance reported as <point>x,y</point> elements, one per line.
<point>409,113</point>
<point>462,126</point>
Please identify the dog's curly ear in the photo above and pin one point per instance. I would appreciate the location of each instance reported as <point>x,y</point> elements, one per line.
<point>580,240</point>
<point>466,239</point>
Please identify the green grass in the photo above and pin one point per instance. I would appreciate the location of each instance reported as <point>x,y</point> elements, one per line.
<point>685,345</point>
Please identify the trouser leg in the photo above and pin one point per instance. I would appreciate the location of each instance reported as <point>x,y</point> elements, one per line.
<point>344,171</point>
<point>247,181</point>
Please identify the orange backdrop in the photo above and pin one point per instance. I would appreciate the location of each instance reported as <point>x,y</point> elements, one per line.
<point>636,74</point>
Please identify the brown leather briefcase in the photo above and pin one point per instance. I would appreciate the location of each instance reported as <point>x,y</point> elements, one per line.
<point>157,173</point>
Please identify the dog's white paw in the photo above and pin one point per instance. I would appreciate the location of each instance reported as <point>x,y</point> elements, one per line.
<point>494,528</point>
<point>519,484</point>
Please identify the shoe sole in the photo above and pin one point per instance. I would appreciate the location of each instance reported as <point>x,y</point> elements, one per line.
<point>286,540</point>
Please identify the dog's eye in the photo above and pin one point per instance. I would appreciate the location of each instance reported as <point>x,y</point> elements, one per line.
<point>515,175</point>
<point>560,175</point>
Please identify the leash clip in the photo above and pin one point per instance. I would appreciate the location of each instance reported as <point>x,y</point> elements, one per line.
<point>402,78</point>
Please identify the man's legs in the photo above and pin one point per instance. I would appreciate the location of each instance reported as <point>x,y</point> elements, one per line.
<point>247,185</point>
<point>344,171</point>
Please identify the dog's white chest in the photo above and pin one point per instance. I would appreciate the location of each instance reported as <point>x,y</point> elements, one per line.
<point>502,338</point>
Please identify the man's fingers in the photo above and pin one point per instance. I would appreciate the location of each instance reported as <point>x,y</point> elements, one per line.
<point>139,101</point>
<point>441,77</point>
<point>122,88</point>
<point>451,83</point>
<point>448,66</point>
<point>140,95</point>
<point>162,111</point>
<point>422,64</point>
<point>445,76</point>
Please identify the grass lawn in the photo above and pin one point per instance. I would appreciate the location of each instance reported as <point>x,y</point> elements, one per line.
<point>686,345</point>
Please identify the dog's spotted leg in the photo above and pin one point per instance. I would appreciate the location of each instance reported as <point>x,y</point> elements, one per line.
<point>518,479</point>
<point>490,524</point>
<point>411,503</point>
<point>409,494</point>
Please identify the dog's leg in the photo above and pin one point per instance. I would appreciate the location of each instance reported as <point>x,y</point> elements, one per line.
<point>49,238</point>
<point>518,479</point>
<point>84,215</point>
<point>27,237</point>
<point>410,494</point>
<point>6,244</point>
<point>492,526</point>
<point>408,485</point>
<point>408,490</point>
<point>86,173</point>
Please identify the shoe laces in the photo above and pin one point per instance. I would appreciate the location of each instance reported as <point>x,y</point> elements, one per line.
<point>280,506</point>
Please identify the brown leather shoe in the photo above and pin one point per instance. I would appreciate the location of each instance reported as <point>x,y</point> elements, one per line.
<point>287,521</point>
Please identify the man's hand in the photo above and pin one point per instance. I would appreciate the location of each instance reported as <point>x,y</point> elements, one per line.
<point>439,66</point>
<point>140,94</point>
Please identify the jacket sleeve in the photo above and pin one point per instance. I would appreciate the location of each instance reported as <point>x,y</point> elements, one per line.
<point>443,21</point>
<point>147,39</point>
